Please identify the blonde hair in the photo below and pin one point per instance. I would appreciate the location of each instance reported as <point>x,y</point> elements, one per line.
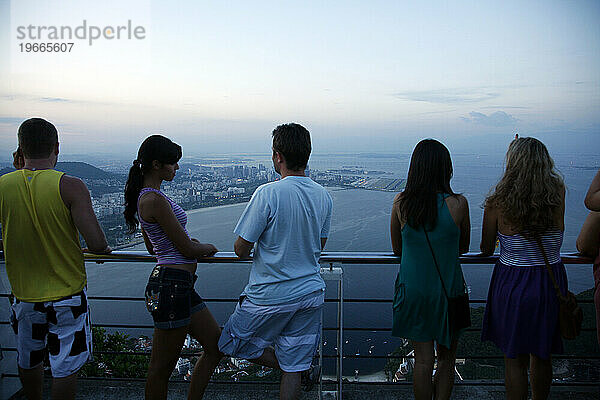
<point>531,190</point>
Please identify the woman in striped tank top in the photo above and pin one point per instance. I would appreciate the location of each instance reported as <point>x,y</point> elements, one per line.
<point>521,315</point>
<point>175,306</point>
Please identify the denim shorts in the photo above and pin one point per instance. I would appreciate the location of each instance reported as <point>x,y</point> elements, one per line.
<point>171,297</point>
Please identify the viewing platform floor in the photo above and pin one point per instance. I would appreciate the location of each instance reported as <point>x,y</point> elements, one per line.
<point>121,390</point>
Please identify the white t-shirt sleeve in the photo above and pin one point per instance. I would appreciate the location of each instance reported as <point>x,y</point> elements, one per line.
<point>327,220</point>
<point>255,217</point>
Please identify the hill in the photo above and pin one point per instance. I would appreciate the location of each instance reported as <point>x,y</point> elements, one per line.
<point>84,171</point>
<point>79,169</point>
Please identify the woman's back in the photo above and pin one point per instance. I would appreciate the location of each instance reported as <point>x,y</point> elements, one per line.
<point>520,251</point>
<point>420,304</point>
<point>417,261</point>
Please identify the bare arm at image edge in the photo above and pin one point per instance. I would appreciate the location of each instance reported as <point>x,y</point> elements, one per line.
<point>592,198</point>
<point>588,240</point>
<point>76,197</point>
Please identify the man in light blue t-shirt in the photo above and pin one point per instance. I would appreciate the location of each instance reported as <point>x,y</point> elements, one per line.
<point>288,221</point>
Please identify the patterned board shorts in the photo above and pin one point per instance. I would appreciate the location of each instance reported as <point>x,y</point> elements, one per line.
<point>294,329</point>
<point>61,328</point>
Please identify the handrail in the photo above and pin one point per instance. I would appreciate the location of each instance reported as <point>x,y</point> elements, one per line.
<point>345,257</point>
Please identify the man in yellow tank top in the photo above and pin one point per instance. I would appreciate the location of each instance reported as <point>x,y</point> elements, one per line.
<point>42,212</point>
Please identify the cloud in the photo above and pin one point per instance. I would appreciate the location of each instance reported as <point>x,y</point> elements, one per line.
<point>448,96</point>
<point>437,112</point>
<point>53,99</point>
<point>13,97</point>
<point>48,99</point>
<point>506,107</point>
<point>497,119</point>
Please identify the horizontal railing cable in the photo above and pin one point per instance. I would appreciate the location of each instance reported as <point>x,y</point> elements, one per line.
<point>350,329</point>
<point>326,382</point>
<point>235,300</point>
<point>345,356</point>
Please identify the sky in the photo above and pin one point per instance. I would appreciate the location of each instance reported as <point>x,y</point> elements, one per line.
<point>375,76</point>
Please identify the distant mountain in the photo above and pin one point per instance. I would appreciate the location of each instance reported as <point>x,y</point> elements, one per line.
<point>84,171</point>
<point>79,169</point>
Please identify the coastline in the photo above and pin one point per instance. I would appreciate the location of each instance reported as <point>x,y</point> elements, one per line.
<point>204,209</point>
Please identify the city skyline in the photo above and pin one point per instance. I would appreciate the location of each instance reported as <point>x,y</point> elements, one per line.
<point>217,78</point>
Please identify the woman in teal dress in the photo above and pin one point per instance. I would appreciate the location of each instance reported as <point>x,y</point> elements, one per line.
<point>420,305</point>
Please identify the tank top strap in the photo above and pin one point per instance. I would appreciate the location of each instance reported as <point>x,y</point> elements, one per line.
<point>147,190</point>
<point>444,215</point>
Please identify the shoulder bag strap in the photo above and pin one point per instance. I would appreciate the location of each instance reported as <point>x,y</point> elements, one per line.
<point>552,278</point>
<point>435,262</point>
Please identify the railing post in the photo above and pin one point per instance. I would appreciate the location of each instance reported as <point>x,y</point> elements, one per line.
<point>333,272</point>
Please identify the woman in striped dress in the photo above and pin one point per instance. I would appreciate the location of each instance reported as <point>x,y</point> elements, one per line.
<point>521,315</point>
<point>176,308</point>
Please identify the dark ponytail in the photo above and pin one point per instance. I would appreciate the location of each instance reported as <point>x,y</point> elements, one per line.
<point>429,173</point>
<point>155,147</point>
<point>133,187</point>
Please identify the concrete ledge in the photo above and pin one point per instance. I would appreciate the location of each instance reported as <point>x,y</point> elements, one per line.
<point>107,390</point>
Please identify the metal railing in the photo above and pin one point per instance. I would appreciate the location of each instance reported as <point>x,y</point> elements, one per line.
<point>332,264</point>
<point>343,257</point>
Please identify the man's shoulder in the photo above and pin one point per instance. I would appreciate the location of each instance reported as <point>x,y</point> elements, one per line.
<point>72,189</point>
<point>318,188</point>
<point>270,188</point>
<point>275,188</point>
<point>9,176</point>
<point>68,182</point>
<point>309,186</point>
